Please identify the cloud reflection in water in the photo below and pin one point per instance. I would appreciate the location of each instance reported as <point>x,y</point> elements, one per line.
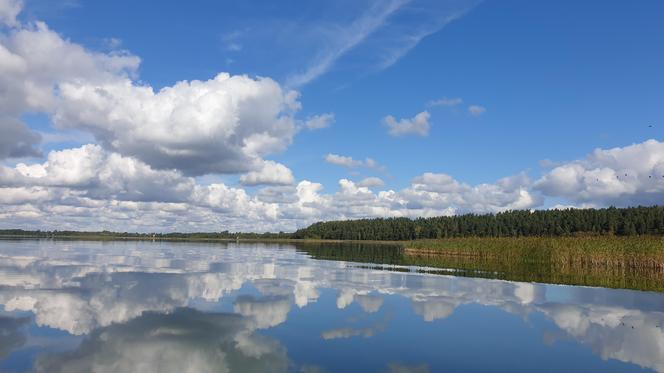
<point>128,299</point>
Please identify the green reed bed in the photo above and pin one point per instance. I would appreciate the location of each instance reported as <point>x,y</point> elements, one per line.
<point>635,262</point>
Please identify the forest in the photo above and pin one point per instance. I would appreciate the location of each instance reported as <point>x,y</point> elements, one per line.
<point>543,223</point>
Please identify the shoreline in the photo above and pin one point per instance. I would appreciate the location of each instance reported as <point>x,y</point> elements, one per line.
<point>633,262</point>
<point>193,239</point>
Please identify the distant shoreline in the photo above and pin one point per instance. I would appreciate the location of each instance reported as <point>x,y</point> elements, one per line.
<point>191,239</point>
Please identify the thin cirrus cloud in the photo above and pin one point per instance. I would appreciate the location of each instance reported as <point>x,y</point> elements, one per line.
<point>445,102</point>
<point>474,110</point>
<point>382,27</point>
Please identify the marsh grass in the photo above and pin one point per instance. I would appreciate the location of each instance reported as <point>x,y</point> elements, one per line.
<point>635,262</point>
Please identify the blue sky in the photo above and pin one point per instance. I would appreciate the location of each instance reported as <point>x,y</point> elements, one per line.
<point>558,78</point>
<point>549,81</point>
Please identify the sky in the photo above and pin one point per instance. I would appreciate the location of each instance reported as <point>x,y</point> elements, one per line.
<point>267,116</point>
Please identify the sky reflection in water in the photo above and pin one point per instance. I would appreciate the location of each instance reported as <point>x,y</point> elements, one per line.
<point>142,306</point>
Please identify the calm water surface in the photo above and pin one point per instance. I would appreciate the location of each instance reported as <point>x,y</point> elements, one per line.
<point>194,307</point>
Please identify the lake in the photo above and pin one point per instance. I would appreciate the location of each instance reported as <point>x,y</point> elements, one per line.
<point>123,306</point>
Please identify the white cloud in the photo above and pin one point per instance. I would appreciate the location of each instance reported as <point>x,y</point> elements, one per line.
<point>371,182</point>
<point>418,125</point>
<point>343,161</point>
<point>33,62</point>
<point>90,171</point>
<point>271,173</point>
<point>547,163</point>
<point>620,176</point>
<point>350,162</point>
<point>439,194</point>
<point>223,125</point>
<point>447,102</point>
<point>347,38</point>
<point>319,121</point>
<point>17,140</point>
<point>92,188</point>
<point>91,182</point>
<point>9,10</point>
<point>476,110</point>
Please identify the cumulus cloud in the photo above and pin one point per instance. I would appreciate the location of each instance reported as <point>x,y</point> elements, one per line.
<point>92,188</point>
<point>33,61</point>
<point>442,193</point>
<point>371,182</point>
<point>9,10</point>
<point>624,176</point>
<point>418,125</point>
<point>271,173</point>
<point>90,182</point>
<point>96,173</point>
<point>319,121</point>
<point>476,110</point>
<point>223,125</point>
<point>341,160</point>
<point>350,162</point>
<point>17,140</point>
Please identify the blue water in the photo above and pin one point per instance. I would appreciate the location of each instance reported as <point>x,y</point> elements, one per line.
<point>78,306</point>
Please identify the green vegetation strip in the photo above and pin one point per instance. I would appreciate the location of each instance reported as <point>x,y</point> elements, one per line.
<point>634,262</point>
